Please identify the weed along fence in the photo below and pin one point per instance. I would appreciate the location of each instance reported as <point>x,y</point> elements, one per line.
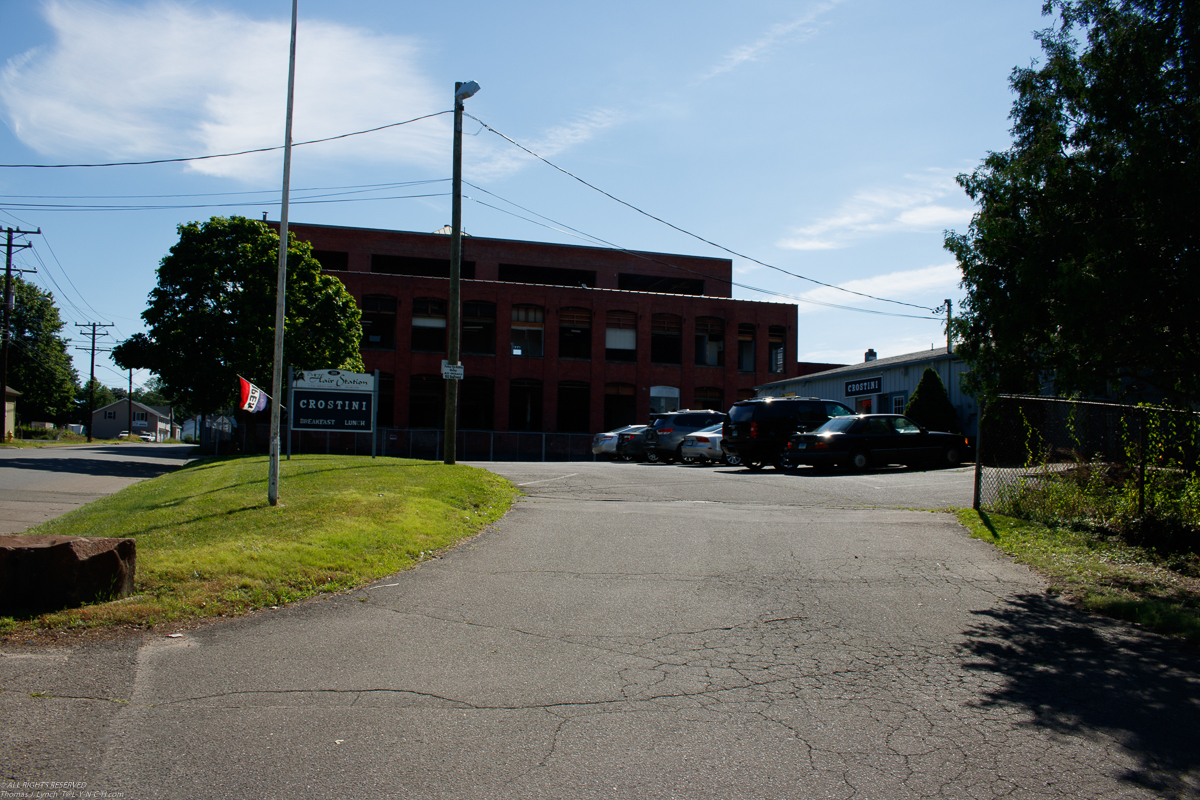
<point>430,445</point>
<point>1080,463</point>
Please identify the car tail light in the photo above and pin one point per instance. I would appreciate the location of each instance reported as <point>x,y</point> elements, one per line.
<point>753,430</point>
<point>701,438</point>
<point>666,430</point>
<point>820,445</point>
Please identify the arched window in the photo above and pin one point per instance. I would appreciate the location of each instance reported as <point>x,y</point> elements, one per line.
<point>574,407</point>
<point>426,401</point>
<point>745,347</point>
<point>620,405</point>
<point>776,349</point>
<point>666,339</point>
<point>620,336</point>
<point>574,333</point>
<point>528,323</point>
<point>429,324</point>
<point>378,322</point>
<point>710,342</point>
<point>709,397</point>
<point>524,405</point>
<point>479,327</point>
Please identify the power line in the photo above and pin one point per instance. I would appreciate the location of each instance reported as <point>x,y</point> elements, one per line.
<point>220,155</point>
<point>689,233</point>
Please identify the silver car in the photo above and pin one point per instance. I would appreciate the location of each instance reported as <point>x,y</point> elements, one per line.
<point>604,445</point>
<point>705,445</point>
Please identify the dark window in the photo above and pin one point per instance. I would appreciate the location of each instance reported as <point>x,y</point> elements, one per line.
<point>574,333</point>
<point>420,267</point>
<point>574,407</point>
<point>745,348</point>
<point>426,401</point>
<point>709,397</point>
<point>479,328</point>
<point>385,409</point>
<point>527,328</point>
<point>547,276</point>
<point>378,322</point>
<point>476,404</point>
<point>620,405</point>
<point>525,405</point>
<point>332,260</point>
<point>631,282</point>
<point>620,336</point>
<point>429,324</point>
<point>745,394</point>
<point>666,339</point>
<point>775,349</point>
<point>710,342</point>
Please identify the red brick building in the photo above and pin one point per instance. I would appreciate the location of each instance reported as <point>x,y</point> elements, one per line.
<point>554,337</point>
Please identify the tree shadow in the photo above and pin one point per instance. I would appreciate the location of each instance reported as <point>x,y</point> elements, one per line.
<point>92,467</point>
<point>1078,674</point>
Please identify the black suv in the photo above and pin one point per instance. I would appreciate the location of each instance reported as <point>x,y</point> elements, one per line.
<point>758,430</point>
<point>664,438</point>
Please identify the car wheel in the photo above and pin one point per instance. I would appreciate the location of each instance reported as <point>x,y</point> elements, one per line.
<point>733,461</point>
<point>754,466</point>
<point>680,458</point>
<point>952,457</point>
<point>859,460</point>
<point>625,457</point>
<point>652,456</point>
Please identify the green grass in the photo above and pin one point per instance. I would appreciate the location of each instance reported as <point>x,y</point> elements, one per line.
<point>1102,573</point>
<point>209,544</point>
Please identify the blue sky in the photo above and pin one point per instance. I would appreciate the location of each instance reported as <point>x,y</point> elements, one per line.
<point>821,138</point>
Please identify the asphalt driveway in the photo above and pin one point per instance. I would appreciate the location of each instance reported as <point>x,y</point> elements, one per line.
<point>640,632</point>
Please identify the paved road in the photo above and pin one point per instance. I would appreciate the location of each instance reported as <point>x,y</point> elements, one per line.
<point>635,631</point>
<point>39,484</point>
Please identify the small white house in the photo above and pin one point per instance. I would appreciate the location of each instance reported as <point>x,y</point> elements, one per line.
<point>138,419</point>
<point>884,385</point>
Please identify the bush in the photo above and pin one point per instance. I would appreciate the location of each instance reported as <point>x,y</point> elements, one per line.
<point>930,407</point>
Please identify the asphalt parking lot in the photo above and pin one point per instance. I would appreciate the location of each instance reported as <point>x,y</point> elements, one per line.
<point>637,631</point>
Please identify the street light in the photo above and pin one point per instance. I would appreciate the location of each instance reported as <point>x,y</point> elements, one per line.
<point>461,92</point>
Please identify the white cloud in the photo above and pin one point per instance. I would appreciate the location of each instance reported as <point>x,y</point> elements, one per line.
<point>799,28</point>
<point>880,210</point>
<point>928,285</point>
<point>167,79</point>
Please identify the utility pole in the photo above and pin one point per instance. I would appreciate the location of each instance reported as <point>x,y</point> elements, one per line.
<point>92,382</point>
<point>8,309</point>
<point>454,308</point>
<point>949,317</point>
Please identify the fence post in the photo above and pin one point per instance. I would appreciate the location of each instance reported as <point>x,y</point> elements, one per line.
<point>979,456</point>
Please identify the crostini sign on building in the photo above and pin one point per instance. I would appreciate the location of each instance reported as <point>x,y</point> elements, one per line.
<point>864,386</point>
<point>332,400</point>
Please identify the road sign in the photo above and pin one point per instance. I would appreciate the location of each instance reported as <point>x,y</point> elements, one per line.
<point>452,372</point>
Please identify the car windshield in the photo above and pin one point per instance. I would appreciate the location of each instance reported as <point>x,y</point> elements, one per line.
<point>763,410</point>
<point>837,425</point>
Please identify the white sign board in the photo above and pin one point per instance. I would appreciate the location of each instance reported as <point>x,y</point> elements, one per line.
<point>452,372</point>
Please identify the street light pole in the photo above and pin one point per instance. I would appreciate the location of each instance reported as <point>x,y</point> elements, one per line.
<point>454,311</point>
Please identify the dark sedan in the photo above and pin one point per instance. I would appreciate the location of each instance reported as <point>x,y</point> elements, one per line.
<point>868,440</point>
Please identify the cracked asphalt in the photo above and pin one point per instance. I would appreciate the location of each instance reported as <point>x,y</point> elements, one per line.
<point>636,631</point>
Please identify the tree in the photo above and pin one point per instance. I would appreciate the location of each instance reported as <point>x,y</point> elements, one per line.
<point>212,315</point>
<point>104,396</point>
<point>930,407</point>
<point>39,366</point>
<point>1081,263</point>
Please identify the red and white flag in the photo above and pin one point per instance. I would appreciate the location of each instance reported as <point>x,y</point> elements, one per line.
<point>254,399</point>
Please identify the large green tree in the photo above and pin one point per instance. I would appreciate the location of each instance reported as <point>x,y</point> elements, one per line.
<point>212,315</point>
<point>39,366</point>
<point>1081,263</point>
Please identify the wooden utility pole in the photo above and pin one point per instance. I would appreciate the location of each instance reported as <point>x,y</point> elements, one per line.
<point>8,309</point>
<point>92,382</point>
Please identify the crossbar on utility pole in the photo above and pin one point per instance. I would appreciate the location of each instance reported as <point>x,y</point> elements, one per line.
<point>92,382</point>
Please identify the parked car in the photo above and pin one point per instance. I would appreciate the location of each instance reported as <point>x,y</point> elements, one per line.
<point>631,444</point>
<point>866,440</point>
<point>604,445</point>
<point>146,437</point>
<point>705,445</point>
<point>665,436</point>
<point>758,429</point>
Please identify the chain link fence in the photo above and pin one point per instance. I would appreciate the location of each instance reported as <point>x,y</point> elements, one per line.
<point>430,444</point>
<point>1081,463</point>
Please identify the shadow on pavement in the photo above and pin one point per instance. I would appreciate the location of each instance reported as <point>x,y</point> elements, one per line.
<point>93,467</point>
<point>1059,664</point>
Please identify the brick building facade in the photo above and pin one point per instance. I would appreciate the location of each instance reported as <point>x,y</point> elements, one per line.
<point>554,337</point>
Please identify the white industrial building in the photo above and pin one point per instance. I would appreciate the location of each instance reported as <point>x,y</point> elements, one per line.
<point>884,385</point>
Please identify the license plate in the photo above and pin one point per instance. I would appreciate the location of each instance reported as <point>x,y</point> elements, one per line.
<point>802,446</point>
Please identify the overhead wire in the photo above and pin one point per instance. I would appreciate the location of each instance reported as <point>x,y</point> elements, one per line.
<point>687,232</point>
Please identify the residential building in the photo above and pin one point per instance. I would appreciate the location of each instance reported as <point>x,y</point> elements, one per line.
<point>123,415</point>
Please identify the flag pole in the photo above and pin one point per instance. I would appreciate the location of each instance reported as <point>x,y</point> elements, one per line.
<point>281,284</point>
